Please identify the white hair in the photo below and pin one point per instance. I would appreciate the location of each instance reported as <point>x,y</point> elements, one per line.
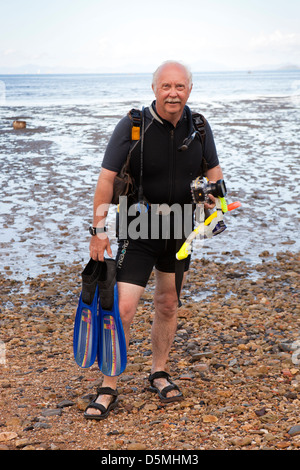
<point>172,62</point>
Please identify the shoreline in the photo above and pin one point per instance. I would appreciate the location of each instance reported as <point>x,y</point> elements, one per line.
<point>50,170</point>
<point>234,358</point>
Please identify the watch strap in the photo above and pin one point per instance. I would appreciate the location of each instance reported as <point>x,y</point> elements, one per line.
<point>94,230</point>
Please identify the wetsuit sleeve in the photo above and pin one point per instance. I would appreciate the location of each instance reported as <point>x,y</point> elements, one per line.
<point>118,146</point>
<point>210,151</point>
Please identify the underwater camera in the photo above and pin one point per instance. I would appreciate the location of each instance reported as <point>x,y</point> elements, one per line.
<point>201,188</point>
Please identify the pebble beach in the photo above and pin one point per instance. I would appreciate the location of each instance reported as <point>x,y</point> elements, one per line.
<point>235,357</point>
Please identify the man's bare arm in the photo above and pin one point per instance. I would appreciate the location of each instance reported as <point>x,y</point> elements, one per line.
<point>102,199</point>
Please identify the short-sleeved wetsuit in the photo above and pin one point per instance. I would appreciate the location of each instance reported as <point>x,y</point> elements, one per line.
<point>167,174</point>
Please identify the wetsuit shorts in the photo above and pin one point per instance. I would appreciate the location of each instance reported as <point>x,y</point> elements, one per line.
<point>136,259</point>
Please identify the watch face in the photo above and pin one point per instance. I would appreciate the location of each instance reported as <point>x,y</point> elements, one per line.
<point>92,231</point>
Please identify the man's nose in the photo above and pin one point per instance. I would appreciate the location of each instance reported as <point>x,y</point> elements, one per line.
<point>173,91</point>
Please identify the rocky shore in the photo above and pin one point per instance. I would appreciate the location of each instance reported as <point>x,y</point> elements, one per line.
<point>236,358</point>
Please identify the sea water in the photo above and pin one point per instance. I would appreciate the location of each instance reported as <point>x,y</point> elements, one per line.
<point>50,169</point>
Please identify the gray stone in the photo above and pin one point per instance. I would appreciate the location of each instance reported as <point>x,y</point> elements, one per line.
<point>54,412</point>
<point>295,430</point>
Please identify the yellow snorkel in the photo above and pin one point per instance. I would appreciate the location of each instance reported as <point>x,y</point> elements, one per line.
<point>213,224</point>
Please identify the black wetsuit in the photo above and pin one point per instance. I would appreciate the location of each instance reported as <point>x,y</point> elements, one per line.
<point>167,174</point>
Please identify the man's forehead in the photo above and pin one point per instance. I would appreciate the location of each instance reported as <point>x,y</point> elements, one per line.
<point>172,74</point>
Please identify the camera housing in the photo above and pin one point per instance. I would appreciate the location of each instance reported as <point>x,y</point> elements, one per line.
<point>201,188</point>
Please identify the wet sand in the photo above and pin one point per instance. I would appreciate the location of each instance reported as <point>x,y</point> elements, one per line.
<point>236,359</point>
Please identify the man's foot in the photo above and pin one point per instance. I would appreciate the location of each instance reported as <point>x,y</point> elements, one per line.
<point>161,384</point>
<point>99,408</point>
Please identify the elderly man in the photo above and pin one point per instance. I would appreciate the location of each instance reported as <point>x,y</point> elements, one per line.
<point>167,174</point>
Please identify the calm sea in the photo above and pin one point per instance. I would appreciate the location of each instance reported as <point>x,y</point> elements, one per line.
<point>50,169</point>
<point>39,90</point>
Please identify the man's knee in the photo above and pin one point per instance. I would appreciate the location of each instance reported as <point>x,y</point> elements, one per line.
<point>166,304</point>
<point>129,296</point>
<point>127,311</point>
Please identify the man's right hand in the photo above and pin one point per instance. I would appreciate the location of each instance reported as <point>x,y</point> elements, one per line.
<point>98,245</point>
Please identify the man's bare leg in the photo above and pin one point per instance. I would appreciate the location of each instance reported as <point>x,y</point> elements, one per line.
<point>129,296</point>
<point>164,325</point>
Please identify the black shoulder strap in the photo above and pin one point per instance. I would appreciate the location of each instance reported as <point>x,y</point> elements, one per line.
<point>136,117</point>
<point>199,123</point>
<point>137,133</point>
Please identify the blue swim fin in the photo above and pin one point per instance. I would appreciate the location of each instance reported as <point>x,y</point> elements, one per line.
<point>112,353</point>
<point>85,336</point>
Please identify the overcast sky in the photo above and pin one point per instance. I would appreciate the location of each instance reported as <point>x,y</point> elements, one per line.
<point>134,36</point>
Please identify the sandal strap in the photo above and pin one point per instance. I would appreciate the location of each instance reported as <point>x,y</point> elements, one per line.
<point>168,389</point>
<point>103,391</point>
<point>97,406</point>
<point>107,391</point>
<point>161,374</point>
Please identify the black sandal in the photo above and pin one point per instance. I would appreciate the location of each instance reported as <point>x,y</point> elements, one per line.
<point>163,393</point>
<point>98,406</point>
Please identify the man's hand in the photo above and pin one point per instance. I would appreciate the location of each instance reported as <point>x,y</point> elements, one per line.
<point>212,204</point>
<point>98,245</point>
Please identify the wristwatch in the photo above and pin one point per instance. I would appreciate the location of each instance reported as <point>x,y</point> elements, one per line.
<point>94,230</point>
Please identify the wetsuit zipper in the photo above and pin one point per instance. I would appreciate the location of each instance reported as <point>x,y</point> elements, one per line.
<point>171,167</point>
<point>171,174</point>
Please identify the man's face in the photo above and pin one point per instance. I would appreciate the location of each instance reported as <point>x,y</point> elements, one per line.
<point>172,92</point>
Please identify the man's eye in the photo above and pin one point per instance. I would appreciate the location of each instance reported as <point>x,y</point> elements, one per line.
<point>165,86</point>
